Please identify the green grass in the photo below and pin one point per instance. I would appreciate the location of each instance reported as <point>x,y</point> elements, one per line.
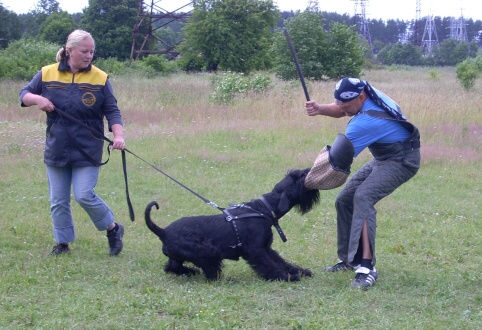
<point>428,236</point>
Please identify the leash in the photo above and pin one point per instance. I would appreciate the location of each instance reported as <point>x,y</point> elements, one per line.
<point>275,218</point>
<point>229,217</point>
<point>124,163</point>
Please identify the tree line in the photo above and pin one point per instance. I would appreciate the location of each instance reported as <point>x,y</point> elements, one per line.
<point>243,36</point>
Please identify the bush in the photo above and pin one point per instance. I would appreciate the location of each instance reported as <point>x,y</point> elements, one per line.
<point>434,74</point>
<point>229,84</point>
<point>468,71</point>
<point>22,59</point>
<point>190,62</point>
<point>110,65</point>
<point>152,66</point>
<point>156,62</point>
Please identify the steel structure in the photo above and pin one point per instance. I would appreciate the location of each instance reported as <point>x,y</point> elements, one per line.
<point>416,28</point>
<point>458,30</point>
<point>429,39</point>
<point>151,17</point>
<point>314,5</point>
<point>362,19</point>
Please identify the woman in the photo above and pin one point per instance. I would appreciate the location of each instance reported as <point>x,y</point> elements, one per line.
<point>73,154</point>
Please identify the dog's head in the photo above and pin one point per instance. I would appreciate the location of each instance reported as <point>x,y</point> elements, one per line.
<point>293,193</point>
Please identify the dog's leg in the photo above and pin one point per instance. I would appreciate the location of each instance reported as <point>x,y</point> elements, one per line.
<point>176,267</point>
<point>262,262</point>
<point>212,269</point>
<point>210,261</point>
<point>289,267</point>
<point>197,250</point>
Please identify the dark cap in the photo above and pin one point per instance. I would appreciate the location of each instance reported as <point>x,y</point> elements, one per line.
<point>348,89</point>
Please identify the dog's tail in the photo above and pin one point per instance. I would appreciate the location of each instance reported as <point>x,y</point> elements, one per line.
<point>150,224</point>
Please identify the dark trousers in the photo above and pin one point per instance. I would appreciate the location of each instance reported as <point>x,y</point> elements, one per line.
<point>356,201</point>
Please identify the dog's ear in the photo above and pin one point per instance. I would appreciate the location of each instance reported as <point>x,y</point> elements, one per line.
<point>284,204</point>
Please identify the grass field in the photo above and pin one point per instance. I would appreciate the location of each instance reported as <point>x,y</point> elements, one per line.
<point>428,238</point>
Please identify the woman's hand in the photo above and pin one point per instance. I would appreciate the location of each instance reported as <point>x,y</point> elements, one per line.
<point>43,103</point>
<point>118,140</point>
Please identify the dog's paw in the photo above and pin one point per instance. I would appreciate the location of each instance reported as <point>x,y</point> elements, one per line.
<point>293,277</point>
<point>306,272</point>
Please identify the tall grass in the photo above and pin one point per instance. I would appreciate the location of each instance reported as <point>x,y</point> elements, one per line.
<point>429,252</point>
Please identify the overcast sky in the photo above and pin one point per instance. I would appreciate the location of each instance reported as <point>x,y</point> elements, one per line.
<point>375,9</point>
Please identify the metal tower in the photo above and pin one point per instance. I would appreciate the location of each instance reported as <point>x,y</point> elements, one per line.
<point>418,10</point>
<point>362,19</point>
<point>417,24</point>
<point>429,39</point>
<point>458,30</point>
<point>313,5</point>
<point>151,17</point>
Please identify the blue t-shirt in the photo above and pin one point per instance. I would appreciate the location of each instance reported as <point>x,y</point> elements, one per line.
<point>363,130</point>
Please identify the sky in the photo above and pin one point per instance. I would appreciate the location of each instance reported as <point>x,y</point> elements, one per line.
<point>374,9</point>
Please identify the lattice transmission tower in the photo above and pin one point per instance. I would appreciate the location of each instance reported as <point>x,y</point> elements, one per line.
<point>458,30</point>
<point>314,5</point>
<point>361,17</point>
<point>429,38</point>
<point>417,24</point>
<point>150,18</point>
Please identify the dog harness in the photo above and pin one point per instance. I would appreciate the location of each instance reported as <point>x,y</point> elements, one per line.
<point>252,213</point>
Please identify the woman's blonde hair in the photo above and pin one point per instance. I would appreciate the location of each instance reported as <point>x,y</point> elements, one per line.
<point>72,41</point>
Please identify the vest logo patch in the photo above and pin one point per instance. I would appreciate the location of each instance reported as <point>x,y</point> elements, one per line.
<point>88,99</point>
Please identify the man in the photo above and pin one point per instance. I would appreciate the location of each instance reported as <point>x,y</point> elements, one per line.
<point>379,125</point>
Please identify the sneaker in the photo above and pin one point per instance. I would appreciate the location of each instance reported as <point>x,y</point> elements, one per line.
<point>341,265</point>
<point>364,278</point>
<point>115,239</point>
<point>60,249</point>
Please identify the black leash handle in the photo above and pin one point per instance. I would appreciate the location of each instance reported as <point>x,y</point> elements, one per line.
<point>124,169</point>
<point>297,63</point>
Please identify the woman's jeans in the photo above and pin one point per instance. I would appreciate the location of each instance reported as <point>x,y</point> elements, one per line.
<point>83,180</point>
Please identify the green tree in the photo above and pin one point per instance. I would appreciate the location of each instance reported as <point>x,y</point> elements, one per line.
<point>383,55</point>
<point>323,54</point>
<point>230,35</point>
<point>345,55</point>
<point>9,27</point>
<point>468,71</point>
<point>34,19</point>
<point>451,52</point>
<point>23,58</point>
<point>57,27</point>
<point>48,7</point>
<point>310,42</point>
<point>404,54</point>
<point>111,22</point>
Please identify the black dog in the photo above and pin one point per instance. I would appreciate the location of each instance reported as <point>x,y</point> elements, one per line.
<point>244,230</point>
